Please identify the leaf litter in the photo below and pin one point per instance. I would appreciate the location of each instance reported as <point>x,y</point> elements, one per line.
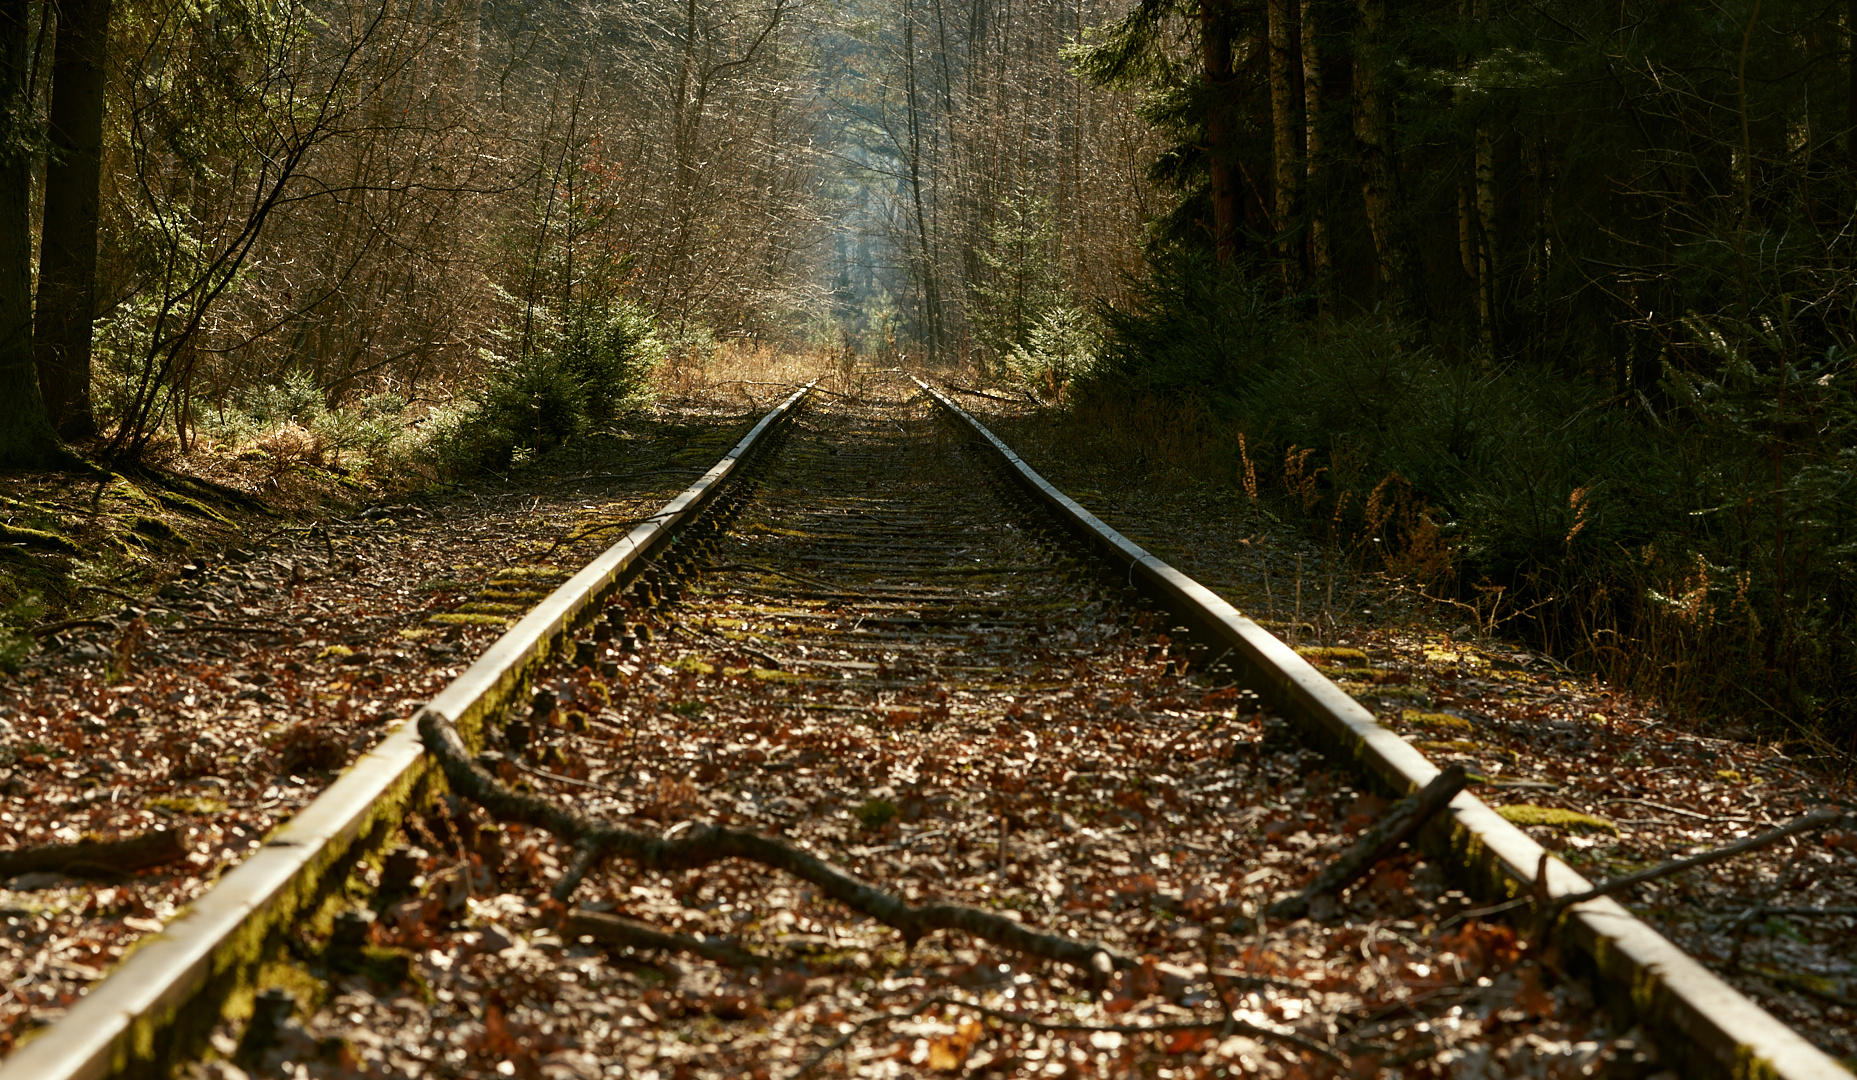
<point>1610,781</point>
<point>909,678</point>
<point>221,706</point>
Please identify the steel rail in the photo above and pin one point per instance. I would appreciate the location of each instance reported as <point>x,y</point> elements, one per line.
<point>1708,1025</point>
<point>158,1005</point>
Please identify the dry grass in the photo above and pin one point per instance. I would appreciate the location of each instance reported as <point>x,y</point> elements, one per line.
<point>748,376</point>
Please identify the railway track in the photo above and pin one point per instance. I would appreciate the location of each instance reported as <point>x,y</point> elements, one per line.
<point>871,635</point>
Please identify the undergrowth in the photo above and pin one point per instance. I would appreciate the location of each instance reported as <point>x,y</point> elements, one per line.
<point>1701,552</point>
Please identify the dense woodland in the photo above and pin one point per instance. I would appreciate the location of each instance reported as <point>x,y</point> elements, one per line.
<point>1543,308</point>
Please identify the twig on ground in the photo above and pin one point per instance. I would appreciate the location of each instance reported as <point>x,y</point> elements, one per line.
<point>1401,822</point>
<point>44,629</point>
<point>705,845</point>
<point>1816,819</point>
<point>1687,813</point>
<point>617,930</point>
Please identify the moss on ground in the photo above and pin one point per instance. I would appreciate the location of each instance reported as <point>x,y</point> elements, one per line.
<point>1555,817</point>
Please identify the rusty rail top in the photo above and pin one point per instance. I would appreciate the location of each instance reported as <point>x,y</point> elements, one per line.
<point>1707,1025</point>
<point>128,1021</point>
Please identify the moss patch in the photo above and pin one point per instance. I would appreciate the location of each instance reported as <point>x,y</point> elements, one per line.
<point>1555,817</point>
<point>1332,654</point>
<point>468,619</point>
<point>39,540</point>
<point>1435,720</point>
<point>1451,746</point>
<point>187,804</point>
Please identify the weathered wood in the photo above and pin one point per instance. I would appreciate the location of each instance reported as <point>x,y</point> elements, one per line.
<point>1399,824</point>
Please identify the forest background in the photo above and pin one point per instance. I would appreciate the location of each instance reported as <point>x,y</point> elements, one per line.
<point>1542,308</point>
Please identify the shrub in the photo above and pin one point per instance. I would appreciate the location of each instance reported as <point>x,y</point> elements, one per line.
<point>1059,349</point>
<point>610,351</point>
<point>586,375</point>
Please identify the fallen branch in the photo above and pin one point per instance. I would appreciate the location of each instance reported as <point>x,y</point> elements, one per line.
<point>1401,821</point>
<point>44,629</point>
<point>1230,1025</point>
<point>89,857</point>
<point>1816,819</point>
<point>704,845</point>
<point>618,930</point>
<point>992,397</point>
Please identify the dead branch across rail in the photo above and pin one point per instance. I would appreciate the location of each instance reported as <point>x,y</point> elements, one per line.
<point>705,845</point>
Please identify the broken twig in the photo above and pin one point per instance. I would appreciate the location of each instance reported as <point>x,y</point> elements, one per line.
<point>1809,822</point>
<point>1401,821</point>
<point>618,930</point>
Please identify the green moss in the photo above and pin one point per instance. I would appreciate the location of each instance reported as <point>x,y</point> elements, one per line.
<point>154,531</point>
<point>335,652</point>
<point>530,573</point>
<point>187,804</point>
<point>692,664</point>
<point>444,584</point>
<point>468,619</point>
<point>1450,746</point>
<point>176,501</point>
<point>1351,674</point>
<point>1435,720</point>
<point>527,597</point>
<point>1556,817</point>
<point>40,540</point>
<point>491,607</point>
<point>1333,654</point>
<point>874,814</point>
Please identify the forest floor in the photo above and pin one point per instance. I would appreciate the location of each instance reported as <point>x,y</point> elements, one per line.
<point>262,646</point>
<point>1610,781</point>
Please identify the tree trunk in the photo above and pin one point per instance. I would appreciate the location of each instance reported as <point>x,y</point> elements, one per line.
<point>1286,130</point>
<point>1850,60</point>
<point>26,435</point>
<point>68,240</point>
<point>931,299</point>
<point>1321,260</point>
<point>1486,240</point>
<point>1216,57</point>
<point>1373,135</point>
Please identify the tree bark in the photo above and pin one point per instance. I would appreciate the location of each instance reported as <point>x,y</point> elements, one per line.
<point>931,297</point>
<point>26,435</point>
<point>1850,61</point>
<point>68,237</point>
<point>1373,136</point>
<point>1321,259</point>
<point>1216,58</point>
<point>1286,131</point>
<point>1485,235</point>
